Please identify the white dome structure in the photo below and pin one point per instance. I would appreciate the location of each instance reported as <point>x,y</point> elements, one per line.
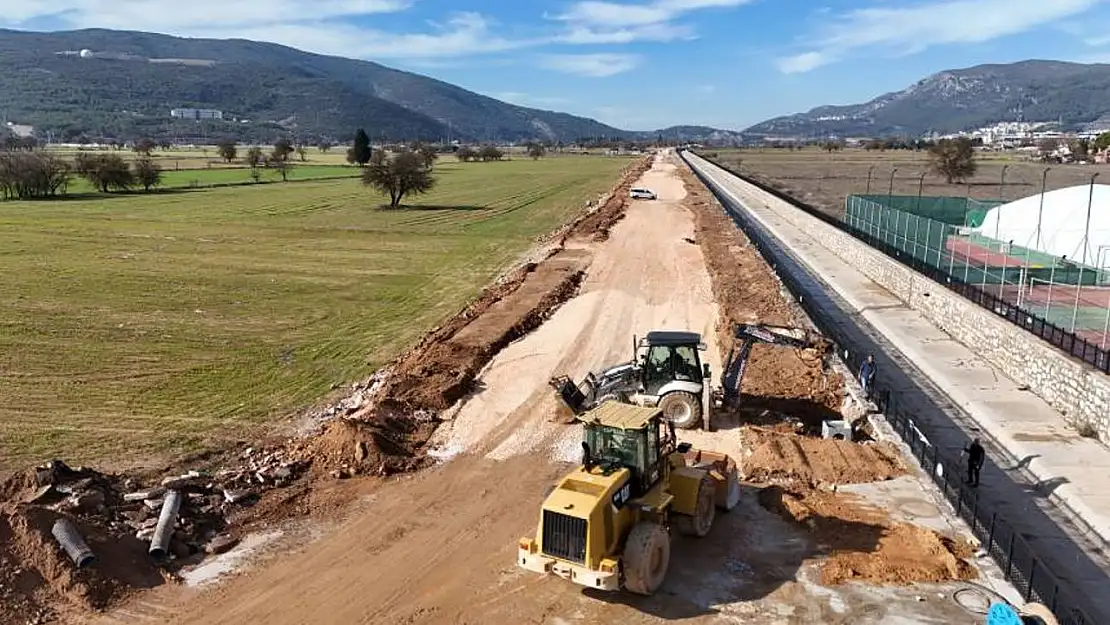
<point>86,54</point>
<point>1063,223</point>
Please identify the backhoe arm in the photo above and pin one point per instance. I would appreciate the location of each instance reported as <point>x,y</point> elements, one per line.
<point>748,335</point>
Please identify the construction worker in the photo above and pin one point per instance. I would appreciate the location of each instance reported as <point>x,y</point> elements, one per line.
<point>867,376</point>
<point>975,457</point>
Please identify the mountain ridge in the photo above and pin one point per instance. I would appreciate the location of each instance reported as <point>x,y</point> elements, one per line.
<point>123,83</point>
<point>963,99</point>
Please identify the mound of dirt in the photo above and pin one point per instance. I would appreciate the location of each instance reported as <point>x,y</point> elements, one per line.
<point>907,554</point>
<point>37,578</point>
<point>861,542</point>
<point>747,290</point>
<point>347,448</point>
<point>817,461</point>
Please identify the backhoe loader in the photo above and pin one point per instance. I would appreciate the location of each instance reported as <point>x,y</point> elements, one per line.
<point>666,371</point>
<point>607,524</point>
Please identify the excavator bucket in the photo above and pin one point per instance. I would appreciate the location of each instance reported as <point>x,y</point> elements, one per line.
<point>573,398</point>
<point>722,470</point>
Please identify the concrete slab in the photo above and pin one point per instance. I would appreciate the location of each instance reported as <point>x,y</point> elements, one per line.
<point>1041,476</point>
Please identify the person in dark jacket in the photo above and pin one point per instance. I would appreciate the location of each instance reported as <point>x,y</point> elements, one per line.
<point>867,376</point>
<point>975,458</point>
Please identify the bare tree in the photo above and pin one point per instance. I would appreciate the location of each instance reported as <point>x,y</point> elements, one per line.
<point>406,173</point>
<point>104,171</point>
<point>954,159</point>
<point>282,149</point>
<point>32,175</point>
<point>536,150</point>
<point>144,146</point>
<point>255,157</point>
<point>228,150</point>
<point>147,173</point>
<point>280,164</point>
<point>302,152</point>
<point>490,153</point>
<point>466,154</point>
<point>429,153</point>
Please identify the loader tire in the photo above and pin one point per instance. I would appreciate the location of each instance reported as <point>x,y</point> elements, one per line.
<point>647,555</point>
<point>699,524</point>
<point>682,409</point>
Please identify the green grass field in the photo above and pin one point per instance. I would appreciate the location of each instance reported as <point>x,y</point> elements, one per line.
<point>137,325</point>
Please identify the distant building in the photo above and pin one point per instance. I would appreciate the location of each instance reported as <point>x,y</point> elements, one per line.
<point>196,114</point>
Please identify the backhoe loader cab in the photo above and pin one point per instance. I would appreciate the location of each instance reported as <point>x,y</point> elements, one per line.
<point>606,525</point>
<point>666,371</point>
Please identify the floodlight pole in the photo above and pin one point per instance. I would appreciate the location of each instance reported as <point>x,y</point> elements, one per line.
<point>997,212</point>
<point>1087,227</point>
<point>870,170</point>
<point>920,186</point>
<point>1086,244</point>
<point>1040,211</point>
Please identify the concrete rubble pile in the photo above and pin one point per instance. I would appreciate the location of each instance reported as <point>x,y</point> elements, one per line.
<point>358,397</point>
<point>200,502</point>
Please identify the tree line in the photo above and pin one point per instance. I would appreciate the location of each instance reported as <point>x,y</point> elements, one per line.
<point>399,171</point>
<point>28,175</point>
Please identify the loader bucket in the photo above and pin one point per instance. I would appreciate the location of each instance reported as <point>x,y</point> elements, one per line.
<point>724,473</point>
<point>569,393</point>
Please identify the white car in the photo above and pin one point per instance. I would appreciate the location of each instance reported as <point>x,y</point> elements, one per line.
<point>642,194</point>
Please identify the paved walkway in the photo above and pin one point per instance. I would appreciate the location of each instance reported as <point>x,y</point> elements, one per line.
<point>1046,481</point>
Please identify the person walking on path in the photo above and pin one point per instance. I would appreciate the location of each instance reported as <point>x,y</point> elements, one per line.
<point>867,376</point>
<point>975,457</point>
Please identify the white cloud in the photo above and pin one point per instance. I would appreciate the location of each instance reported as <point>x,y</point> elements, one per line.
<point>650,32</point>
<point>462,34</point>
<point>591,65</point>
<point>324,26</point>
<point>622,14</point>
<point>804,62</point>
<point>166,15</point>
<point>593,21</point>
<point>913,29</point>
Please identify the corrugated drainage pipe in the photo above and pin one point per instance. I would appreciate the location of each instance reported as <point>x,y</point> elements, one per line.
<point>160,543</point>
<point>66,534</point>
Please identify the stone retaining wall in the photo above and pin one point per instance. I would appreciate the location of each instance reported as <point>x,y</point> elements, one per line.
<point>1079,392</point>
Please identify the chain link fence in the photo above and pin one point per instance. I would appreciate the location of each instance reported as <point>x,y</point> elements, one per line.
<point>1006,546</point>
<point>1063,302</point>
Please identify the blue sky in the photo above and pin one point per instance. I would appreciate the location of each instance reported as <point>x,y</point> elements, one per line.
<point>638,64</point>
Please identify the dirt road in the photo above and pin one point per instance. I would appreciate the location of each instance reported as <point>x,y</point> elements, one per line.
<point>438,546</point>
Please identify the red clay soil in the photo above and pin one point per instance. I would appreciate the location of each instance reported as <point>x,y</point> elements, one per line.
<point>748,291</point>
<point>861,543</point>
<point>816,461</point>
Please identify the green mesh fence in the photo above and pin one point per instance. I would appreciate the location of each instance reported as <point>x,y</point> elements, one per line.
<point>956,211</point>
<point>972,258</point>
<point>921,237</point>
